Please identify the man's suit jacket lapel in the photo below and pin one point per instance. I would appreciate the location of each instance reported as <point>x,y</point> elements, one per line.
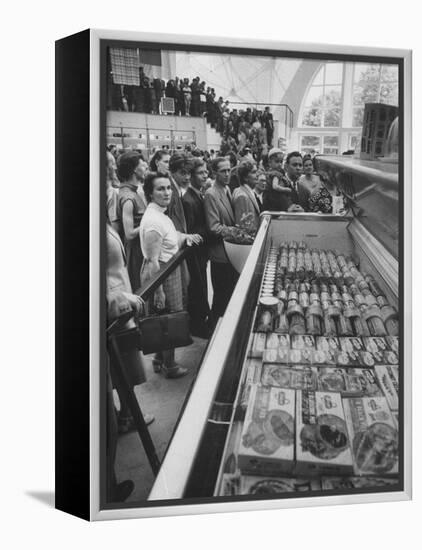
<point>176,209</point>
<point>225,202</point>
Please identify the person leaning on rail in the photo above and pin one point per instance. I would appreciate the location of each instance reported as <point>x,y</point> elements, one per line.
<point>160,241</point>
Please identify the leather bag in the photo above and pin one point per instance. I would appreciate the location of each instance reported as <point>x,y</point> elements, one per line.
<point>164,332</point>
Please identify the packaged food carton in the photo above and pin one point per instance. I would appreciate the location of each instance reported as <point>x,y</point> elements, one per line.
<point>278,355</point>
<point>375,344</point>
<point>354,482</point>
<point>351,382</point>
<point>252,375</point>
<point>300,356</point>
<point>322,443</point>
<point>327,343</point>
<point>388,378</point>
<point>391,358</point>
<point>275,340</point>
<point>260,485</point>
<point>321,358</point>
<point>373,435</point>
<point>300,377</point>
<point>302,341</point>
<point>267,442</point>
<point>349,358</point>
<point>351,343</point>
<point>258,344</point>
<point>393,343</point>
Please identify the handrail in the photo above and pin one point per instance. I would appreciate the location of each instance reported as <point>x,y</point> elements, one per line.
<point>145,291</point>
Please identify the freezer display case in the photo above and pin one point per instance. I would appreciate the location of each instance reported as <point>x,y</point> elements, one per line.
<point>298,392</point>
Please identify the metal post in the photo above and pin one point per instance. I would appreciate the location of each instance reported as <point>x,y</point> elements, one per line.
<point>119,375</point>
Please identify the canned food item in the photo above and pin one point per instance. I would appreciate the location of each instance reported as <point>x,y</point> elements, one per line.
<point>391,320</point>
<point>373,319</point>
<point>281,324</point>
<point>382,301</point>
<point>265,321</point>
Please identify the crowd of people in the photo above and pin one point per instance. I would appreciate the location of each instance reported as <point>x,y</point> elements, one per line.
<point>248,127</point>
<point>194,199</point>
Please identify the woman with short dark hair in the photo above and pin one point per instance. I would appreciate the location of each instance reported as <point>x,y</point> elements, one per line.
<point>159,243</point>
<point>131,170</point>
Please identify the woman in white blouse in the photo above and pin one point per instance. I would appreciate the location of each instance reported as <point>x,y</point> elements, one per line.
<point>160,242</point>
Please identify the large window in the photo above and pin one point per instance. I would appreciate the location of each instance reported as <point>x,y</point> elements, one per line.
<point>373,84</point>
<point>324,98</point>
<point>325,144</point>
<point>331,116</point>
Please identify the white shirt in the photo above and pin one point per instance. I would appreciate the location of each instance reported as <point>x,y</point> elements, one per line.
<point>154,219</point>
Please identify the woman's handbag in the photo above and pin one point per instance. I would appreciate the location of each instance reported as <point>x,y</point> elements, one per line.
<point>164,332</point>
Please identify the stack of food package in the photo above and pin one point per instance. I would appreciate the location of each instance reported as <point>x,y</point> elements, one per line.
<point>319,397</point>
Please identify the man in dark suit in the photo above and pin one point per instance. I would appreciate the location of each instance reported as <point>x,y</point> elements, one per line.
<point>283,193</point>
<point>220,221</point>
<point>299,196</point>
<point>268,122</point>
<point>193,205</point>
<point>244,199</point>
<point>179,167</point>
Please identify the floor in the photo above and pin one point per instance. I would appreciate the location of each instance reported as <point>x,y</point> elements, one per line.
<point>164,399</point>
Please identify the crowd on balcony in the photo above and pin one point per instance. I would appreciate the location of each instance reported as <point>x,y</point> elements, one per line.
<point>250,126</point>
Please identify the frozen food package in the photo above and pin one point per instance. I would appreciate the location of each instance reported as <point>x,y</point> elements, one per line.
<point>321,358</point>
<point>229,486</point>
<point>322,443</point>
<point>252,374</point>
<point>267,441</point>
<point>349,382</point>
<point>300,356</point>
<point>302,341</point>
<point>265,485</point>
<point>391,358</point>
<point>351,343</point>
<point>393,343</point>
<point>375,344</point>
<point>279,355</point>
<point>327,343</point>
<point>258,344</point>
<point>275,340</point>
<point>356,482</point>
<point>373,435</point>
<point>300,377</point>
<point>350,359</point>
<point>388,378</point>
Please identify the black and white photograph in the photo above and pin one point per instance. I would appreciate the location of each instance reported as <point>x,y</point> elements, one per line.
<point>252,254</point>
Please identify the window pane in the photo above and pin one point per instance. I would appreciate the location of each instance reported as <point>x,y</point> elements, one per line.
<point>333,73</point>
<point>312,117</point>
<point>365,71</point>
<point>330,151</point>
<point>319,77</point>
<point>310,145</point>
<point>357,116</point>
<point>332,96</point>
<point>330,141</point>
<point>389,94</point>
<point>332,117</point>
<point>310,141</point>
<point>314,97</point>
<point>389,73</point>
